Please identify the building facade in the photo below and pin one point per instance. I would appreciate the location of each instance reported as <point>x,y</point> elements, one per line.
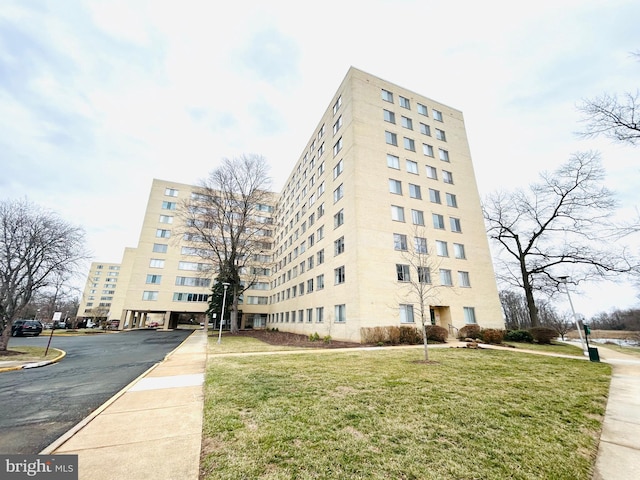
<point>382,201</point>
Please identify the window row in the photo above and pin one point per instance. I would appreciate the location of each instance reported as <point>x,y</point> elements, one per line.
<point>400,243</point>
<point>407,314</point>
<point>417,218</point>
<point>403,274</point>
<point>410,144</point>
<point>309,315</point>
<point>404,102</point>
<point>415,191</point>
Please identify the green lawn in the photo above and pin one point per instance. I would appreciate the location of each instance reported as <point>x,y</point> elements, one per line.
<point>554,347</point>
<point>473,414</point>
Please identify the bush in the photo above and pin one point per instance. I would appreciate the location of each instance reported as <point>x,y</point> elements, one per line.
<point>543,335</point>
<point>518,336</point>
<point>436,333</point>
<point>492,335</point>
<point>314,337</point>
<point>410,335</point>
<point>327,339</point>
<point>469,331</point>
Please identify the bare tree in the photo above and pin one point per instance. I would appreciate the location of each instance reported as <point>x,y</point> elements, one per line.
<point>415,276</point>
<point>615,117</point>
<point>37,248</point>
<point>514,307</point>
<point>562,222</point>
<point>229,224</point>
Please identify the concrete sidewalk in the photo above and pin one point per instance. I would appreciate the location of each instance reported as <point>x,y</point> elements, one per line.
<point>151,429</point>
<point>619,450</point>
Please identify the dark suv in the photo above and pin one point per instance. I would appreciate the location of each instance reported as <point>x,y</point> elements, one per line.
<point>26,327</point>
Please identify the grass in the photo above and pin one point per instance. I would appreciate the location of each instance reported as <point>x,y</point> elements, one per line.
<point>382,414</point>
<point>240,344</point>
<point>628,350</point>
<point>29,354</point>
<point>555,347</point>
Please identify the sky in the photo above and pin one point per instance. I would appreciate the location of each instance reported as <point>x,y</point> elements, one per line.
<point>97,98</point>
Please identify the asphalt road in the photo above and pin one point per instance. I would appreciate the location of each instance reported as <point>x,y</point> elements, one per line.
<point>39,405</point>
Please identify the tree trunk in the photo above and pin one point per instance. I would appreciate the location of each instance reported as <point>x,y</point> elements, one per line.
<point>4,338</point>
<point>234,313</point>
<point>424,336</point>
<point>531,303</point>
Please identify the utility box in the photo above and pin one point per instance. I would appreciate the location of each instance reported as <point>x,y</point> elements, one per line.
<point>594,356</point>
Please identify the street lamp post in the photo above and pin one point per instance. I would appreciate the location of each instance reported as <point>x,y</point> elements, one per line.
<point>575,317</point>
<point>224,298</point>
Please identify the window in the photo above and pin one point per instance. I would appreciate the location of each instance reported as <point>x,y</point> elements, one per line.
<point>339,275</point>
<point>440,135</point>
<point>409,144</point>
<point>458,251</point>
<point>337,170</point>
<point>395,186</point>
<point>434,195</point>
<point>407,123</point>
<point>198,267</point>
<point>387,96</point>
<point>438,221</point>
<point>445,277</point>
<point>338,246</point>
<point>320,282</point>
<point>309,315</point>
<point>437,114</point>
<point>337,147</point>
<point>162,233</point>
<point>393,162</point>
<point>424,275</point>
<point>469,315</point>
<point>320,169</point>
<point>160,248</point>
<point>338,193</point>
<point>432,172</point>
<point>310,285</point>
<point>406,314</point>
<point>414,191</point>
<point>148,295</point>
<point>463,279</point>
<point>412,167</point>
<point>319,314</point>
<point>166,219</point>
<point>154,279</point>
<point>442,248</point>
<point>337,125</point>
<point>171,192</point>
<point>427,150</point>
<point>417,216</point>
<point>391,138</point>
<point>389,116</point>
<point>341,313</point>
<point>338,219</point>
<point>320,233</point>
<point>422,110</point>
<point>156,263</point>
<point>444,155</point>
<point>451,200</point>
<point>311,239</point>
<point>399,241</point>
<point>194,281</point>
<point>405,103</point>
<point>336,105</point>
<point>169,205</point>
<point>397,213</point>
<point>447,177</point>
<point>455,224</point>
<point>320,257</point>
<point>402,272</point>
<point>425,129</point>
<point>420,244</point>
<point>190,297</point>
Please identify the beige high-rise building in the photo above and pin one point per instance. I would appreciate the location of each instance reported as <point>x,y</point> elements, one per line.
<point>383,201</point>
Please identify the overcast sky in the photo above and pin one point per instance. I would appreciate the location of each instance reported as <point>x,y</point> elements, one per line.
<point>97,98</point>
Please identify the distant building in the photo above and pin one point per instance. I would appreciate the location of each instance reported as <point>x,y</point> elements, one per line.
<point>99,291</point>
<point>386,173</point>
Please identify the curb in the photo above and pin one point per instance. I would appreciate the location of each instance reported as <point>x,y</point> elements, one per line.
<point>36,364</point>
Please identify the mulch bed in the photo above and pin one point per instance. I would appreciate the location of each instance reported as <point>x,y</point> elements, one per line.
<point>294,340</point>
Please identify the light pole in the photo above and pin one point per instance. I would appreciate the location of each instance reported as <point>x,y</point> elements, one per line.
<point>575,317</point>
<point>224,298</point>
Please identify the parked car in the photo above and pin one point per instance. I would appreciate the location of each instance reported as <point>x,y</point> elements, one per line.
<point>153,325</point>
<point>26,327</point>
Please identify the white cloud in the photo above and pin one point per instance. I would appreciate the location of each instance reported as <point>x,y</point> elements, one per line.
<point>90,90</point>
